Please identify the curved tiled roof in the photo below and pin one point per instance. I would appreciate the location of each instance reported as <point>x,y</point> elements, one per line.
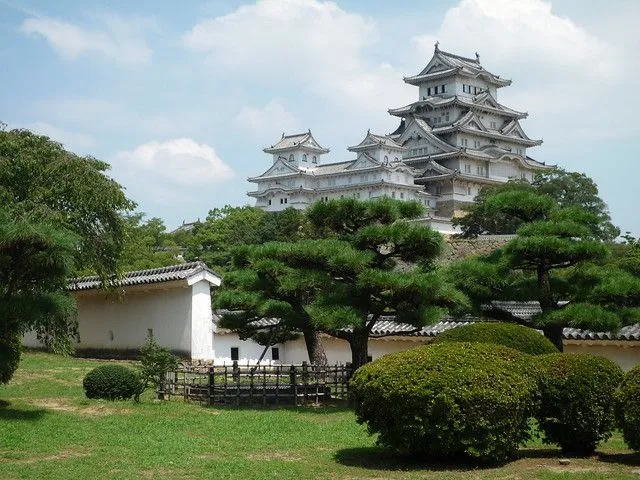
<point>142,277</point>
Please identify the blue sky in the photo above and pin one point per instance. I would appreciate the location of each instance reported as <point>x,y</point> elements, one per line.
<point>181,98</point>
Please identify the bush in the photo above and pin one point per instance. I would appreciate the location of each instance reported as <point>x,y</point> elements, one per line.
<point>577,400</point>
<point>448,400</point>
<point>112,382</point>
<point>510,335</point>
<point>155,361</point>
<point>10,349</point>
<point>628,408</point>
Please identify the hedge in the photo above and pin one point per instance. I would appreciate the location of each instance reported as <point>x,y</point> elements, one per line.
<point>10,349</point>
<point>628,408</point>
<point>577,400</point>
<point>112,382</point>
<point>510,335</point>
<point>448,400</point>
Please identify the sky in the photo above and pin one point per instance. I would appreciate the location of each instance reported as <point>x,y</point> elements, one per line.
<point>181,98</point>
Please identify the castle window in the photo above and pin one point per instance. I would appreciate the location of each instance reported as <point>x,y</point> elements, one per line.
<point>442,88</point>
<point>386,158</point>
<point>429,91</point>
<point>435,90</point>
<point>281,201</point>
<point>286,200</point>
<point>304,157</point>
<point>275,353</point>
<point>467,168</point>
<point>291,158</point>
<point>315,160</point>
<point>269,202</point>
<point>464,88</point>
<point>393,194</point>
<point>402,195</point>
<point>235,354</point>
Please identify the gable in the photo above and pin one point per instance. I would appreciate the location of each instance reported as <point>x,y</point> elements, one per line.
<point>363,161</point>
<point>280,167</point>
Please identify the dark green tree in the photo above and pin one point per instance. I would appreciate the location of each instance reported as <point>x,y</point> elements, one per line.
<point>42,182</point>
<point>147,245</point>
<point>371,262</point>
<point>565,189</point>
<point>556,259</point>
<point>35,263</point>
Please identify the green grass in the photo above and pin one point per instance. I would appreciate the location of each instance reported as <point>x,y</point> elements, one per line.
<point>48,430</point>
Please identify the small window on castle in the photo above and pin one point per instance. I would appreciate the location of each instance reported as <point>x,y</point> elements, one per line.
<point>269,202</point>
<point>429,91</point>
<point>402,195</point>
<point>286,200</point>
<point>150,332</point>
<point>442,88</point>
<point>386,158</point>
<point>304,157</point>
<point>315,159</point>
<point>291,158</point>
<point>393,194</point>
<point>281,201</point>
<point>235,353</point>
<point>435,90</point>
<point>275,353</point>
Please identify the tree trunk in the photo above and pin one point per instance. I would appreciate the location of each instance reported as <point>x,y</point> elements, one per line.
<point>315,349</point>
<point>359,343</point>
<point>548,304</point>
<point>554,334</point>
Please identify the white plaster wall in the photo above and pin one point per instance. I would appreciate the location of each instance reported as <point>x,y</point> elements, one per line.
<point>167,312</point>
<point>625,356</point>
<point>201,322</point>
<point>249,351</point>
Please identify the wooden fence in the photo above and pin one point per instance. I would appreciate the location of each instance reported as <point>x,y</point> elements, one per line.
<point>258,384</point>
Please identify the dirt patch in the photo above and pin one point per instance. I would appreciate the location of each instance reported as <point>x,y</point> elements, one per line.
<point>58,456</point>
<point>275,456</point>
<point>86,410</point>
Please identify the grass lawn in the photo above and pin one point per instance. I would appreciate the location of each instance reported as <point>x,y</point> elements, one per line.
<point>48,430</point>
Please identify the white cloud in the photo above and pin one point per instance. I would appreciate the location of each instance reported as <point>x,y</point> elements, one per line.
<point>73,141</point>
<point>181,161</point>
<point>268,122</point>
<point>116,38</point>
<point>308,44</point>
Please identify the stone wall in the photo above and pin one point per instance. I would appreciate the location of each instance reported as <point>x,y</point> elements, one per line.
<point>458,248</point>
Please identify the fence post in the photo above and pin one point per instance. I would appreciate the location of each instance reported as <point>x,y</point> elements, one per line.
<point>292,381</point>
<point>305,381</point>
<point>212,384</point>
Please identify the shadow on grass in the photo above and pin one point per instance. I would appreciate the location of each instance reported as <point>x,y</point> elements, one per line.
<point>13,414</point>
<point>629,459</point>
<point>333,407</point>
<point>378,458</point>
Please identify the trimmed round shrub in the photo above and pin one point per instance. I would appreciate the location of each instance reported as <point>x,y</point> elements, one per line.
<point>510,335</point>
<point>577,400</point>
<point>112,382</point>
<point>10,349</point>
<point>448,400</point>
<point>628,408</point>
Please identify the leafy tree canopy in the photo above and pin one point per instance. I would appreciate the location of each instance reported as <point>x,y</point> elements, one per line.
<point>372,262</point>
<point>42,182</point>
<point>565,189</point>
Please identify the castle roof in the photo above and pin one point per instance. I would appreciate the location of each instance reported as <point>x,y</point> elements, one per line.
<point>444,64</point>
<point>483,102</point>
<point>295,141</point>
<point>372,141</point>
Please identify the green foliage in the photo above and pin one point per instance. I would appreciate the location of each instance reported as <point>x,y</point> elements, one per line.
<point>448,400</point>
<point>214,240</point>
<point>560,188</point>
<point>10,349</point>
<point>35,263</point>
<point>628,408</point>
<point>112,382</point>
<point>147,245</point>
<point>41,182</point>
<point>371,263</point>
<point>577,400</point>
<point>519,338</point>
<point>155,361</point>
<point>584,316</point>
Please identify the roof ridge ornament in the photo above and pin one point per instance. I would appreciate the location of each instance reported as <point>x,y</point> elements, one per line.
<point>477,57</point>
<point>436,45</point>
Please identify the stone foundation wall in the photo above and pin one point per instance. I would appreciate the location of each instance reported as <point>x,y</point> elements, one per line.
<point>459,248</point>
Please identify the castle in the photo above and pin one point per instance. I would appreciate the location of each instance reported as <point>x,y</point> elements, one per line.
<point>455,139</point>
